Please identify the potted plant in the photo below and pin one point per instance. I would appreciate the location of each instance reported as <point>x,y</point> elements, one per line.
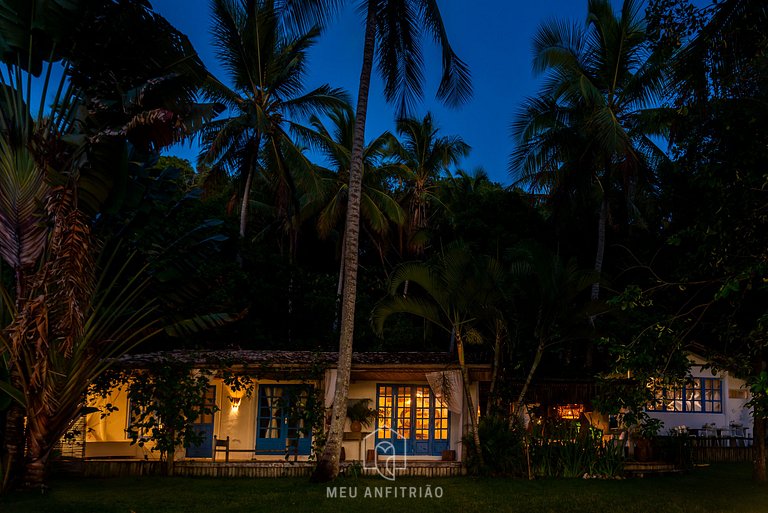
<point>360,415</point>
<point>646,433</point>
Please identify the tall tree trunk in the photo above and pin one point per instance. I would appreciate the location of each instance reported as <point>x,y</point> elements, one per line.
<point>38,445</point>
<point>599,254</point>
<point>170,462</point>
<point>339,287</point>
<point>328,465</point>
<point>758,465</point>
<point>528,379</point>
<point>758,431</point>
<point>493,403</point>
<point>470,402</point>
<point>248,183</point>
<point>13,443</point>
<point>246,199</point>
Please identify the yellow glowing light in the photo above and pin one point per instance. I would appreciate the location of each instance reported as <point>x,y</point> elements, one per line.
<point>235,398</point>
<point>570,411</point>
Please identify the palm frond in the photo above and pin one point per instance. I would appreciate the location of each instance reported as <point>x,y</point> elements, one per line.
<point>456,83</point>
<point>22,191</point>
<point>412,305</point>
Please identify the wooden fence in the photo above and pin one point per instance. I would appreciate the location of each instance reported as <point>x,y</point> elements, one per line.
<point>722,450</point>
<point>123,468</point>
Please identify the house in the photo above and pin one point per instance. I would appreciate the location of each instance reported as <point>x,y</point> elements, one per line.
<point>418,396</point>
<point>710,403</point>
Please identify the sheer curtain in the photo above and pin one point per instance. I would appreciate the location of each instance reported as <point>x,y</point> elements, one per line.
<point>330,387</point>
<point>446,385</point>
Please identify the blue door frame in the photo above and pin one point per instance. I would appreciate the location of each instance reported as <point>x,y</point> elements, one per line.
<point>204,426</point>
<point>279,430</point>
<point>412,420</point>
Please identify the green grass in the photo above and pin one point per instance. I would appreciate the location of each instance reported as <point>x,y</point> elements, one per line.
<point>721,488</point>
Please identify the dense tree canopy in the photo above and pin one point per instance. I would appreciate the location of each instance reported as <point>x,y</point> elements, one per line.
<point>639,170</point>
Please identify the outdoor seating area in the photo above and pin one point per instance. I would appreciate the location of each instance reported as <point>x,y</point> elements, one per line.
<point>734,435</point>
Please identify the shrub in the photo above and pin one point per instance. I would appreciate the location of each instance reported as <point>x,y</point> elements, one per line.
<point>502,448</point>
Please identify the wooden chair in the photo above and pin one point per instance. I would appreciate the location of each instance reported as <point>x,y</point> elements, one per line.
<point>221,445</point>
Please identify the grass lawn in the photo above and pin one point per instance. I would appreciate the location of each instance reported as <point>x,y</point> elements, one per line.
<point>720,488</point>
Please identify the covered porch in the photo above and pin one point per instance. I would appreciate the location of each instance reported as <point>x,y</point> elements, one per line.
<point>420,405</point>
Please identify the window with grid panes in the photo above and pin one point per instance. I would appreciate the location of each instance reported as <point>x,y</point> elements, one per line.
<point>698,395</point>
<point>416,415</point>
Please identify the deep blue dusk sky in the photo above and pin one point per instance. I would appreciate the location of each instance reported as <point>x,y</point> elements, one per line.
<point>492,36</point>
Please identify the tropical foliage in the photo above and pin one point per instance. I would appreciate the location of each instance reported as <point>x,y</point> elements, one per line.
<point>296,231</point>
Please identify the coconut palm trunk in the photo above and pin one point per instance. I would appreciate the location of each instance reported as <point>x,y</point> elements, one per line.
<point>246,199</point>
<point>328,466</point>
<point>339,287</point>
<point>600,253</point>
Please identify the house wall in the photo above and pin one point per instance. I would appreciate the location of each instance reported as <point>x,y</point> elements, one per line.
<point>107,438</point>
<point>239,424</point>
<point>356,450</point>
<point>734,409</point>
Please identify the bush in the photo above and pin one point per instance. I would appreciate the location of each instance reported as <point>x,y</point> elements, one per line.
<point>568,449</point>
<point>502,448</point>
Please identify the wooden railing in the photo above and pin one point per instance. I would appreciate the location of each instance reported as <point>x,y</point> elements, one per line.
<point>122,468</point>
<point>722,450</point>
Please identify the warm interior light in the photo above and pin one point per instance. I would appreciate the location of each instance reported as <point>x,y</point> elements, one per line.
<point>235,398</point>
<point>570,411</point>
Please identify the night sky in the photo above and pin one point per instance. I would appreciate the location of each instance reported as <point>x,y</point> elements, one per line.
<point>492,36</point>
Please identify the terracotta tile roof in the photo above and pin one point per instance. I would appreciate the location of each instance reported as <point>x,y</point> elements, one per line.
<point>285,358</point>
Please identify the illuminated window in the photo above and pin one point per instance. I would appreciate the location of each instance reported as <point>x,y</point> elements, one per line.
<point>570,411</point>
<point>413,413</point>
<point>698,395</point>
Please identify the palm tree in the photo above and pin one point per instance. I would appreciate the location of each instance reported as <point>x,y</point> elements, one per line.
<point>393,31</point>
<point>589,131</point>
<point>462,183</point>
<point>425,157</point>
<point>459,289</point>
<point>378,209</point>
<point>59,168</point>
<point>266,67</point>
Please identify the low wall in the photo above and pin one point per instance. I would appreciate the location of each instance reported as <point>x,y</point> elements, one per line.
<point>252,469</point>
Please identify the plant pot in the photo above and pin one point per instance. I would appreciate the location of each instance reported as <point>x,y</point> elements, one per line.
<point>449,455</point>
<point>643,449</point>
<point>356,426</point>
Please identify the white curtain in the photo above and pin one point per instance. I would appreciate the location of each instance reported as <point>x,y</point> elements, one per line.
<point>446,385</point>
<point>330,387</point>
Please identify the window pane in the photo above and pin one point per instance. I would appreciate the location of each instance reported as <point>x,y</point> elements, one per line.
<point>384,407</point>
<point>441,420</point>
<point>403,413</point>
<point>422,413</point>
